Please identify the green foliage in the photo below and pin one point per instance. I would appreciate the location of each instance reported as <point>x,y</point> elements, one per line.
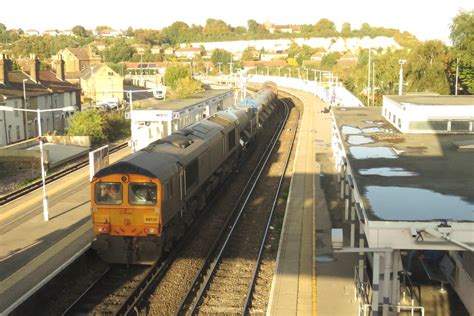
<point>46,46</point>
<point>214,27</point>
<point>221,56</point>
<point>146,36</point>
<point>462,36</point>
<point>88,123</point>
<point>100,126</point>
<point>178,32</point>
<point>300,54</point>
<point>186,87</point>
<point>346,29</point>
<point>118,52</point>
<point>115,126</point>
<point>79,30</point>
<point>426,68</point>
<point>248,54</point>
<point>325,28</point>
<point>175,73</point>
<point>329,60</point>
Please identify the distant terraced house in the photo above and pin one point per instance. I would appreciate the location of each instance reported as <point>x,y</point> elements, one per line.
<point>33,89</point>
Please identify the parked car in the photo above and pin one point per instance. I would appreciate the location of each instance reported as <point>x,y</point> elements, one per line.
<point>109,104</point>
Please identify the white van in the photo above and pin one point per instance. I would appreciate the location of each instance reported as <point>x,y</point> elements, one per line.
<point>159,92</point>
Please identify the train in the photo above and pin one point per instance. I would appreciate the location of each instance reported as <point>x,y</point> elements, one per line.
<point>141,205</point>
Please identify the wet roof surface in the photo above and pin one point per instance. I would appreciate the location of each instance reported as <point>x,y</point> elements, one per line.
<point>427,178</point>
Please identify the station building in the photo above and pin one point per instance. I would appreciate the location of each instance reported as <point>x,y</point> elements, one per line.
<point>430,114</point>
<point>161,119</point>
<point>407,186</point>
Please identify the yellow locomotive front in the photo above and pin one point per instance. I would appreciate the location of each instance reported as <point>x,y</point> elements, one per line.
<point>126,216</point>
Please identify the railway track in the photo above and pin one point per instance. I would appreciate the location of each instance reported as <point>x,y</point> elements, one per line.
<point>226,281</point>
<point>4,199</point>
<point>104,296</point>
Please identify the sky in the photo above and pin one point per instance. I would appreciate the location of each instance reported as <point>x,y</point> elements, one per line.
<point>426,19</point>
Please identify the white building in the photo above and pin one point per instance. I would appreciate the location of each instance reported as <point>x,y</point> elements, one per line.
<point>430,113</point>
<point>163,118</point>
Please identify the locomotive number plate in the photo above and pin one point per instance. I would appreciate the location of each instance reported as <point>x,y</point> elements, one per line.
<point>151,220</point>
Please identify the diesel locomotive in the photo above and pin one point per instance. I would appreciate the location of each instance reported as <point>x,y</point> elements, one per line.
<point>142,204</point>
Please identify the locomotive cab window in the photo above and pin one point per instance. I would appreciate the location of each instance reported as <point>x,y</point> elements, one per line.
<point>108,193</point>
<point>142,193</point>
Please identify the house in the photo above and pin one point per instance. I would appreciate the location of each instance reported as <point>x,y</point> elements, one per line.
<point>31,32</point>
<point>156,49</point>
<point>140,48</point>
<point>67,33</point>
<point>283,28</point>
<point>274,64</point>
<point>76,60</point>
<point>273,56</point>
<point>107,33</point>
<point>100,82</point>
<point>51,32</point>
<point>169,51</point>
<point>348,59</point>
<point>100,46</point>
<point>188,52</point>
<point>34,90</point>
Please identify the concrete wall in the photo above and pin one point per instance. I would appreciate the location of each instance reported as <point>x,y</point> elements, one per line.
<point>83,141</point>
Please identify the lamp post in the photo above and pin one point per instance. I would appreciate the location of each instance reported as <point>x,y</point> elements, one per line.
<point>400,85</point>
<point>43,173</point>
<point>24,106</point>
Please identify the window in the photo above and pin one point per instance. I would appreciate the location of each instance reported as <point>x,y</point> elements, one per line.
<point>192,174</point>
<point>459,126</point>
<point>108,193</point>
<point>142,193</point>
<point>399,123</point>
<point>231,140</point>
<point>18,132</point>
<point>15,105</point>
<point>168,189</point>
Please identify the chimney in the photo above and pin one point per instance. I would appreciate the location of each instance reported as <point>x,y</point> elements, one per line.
<point>34,68</point>
<point>59,68</point>
<point>4,68</point>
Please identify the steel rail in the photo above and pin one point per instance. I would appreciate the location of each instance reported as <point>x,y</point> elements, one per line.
<point>191,301</point>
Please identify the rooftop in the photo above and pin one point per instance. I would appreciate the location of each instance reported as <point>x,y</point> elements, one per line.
<point>182,104</point>
<point>407,177</point>
<point>429,100</point>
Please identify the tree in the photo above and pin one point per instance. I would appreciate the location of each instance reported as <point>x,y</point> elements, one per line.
<point>79,30</point>
<point>426,68</point>
<point>346,29</point>
<point>221,56</point>
<point>178,32</point>
<point>3,28</point>
<point>214,27</point>
<point>118,52</point>
<point>462,36</point>
<point>248,54</point>
<point>325,28</point>
<point>88,123</point>
<point>187,86</point>
<point>329,60</point>
<point>252,26</point>
<point>174,73</point>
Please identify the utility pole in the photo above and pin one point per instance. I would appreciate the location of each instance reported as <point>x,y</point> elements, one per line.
<point>457,76</point>
<point>368,80</point>
<point>373,84</point>
<point>400,84</point>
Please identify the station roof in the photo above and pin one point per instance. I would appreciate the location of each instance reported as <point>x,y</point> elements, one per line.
<point>430,100</point>
<point>182,104</point>
<point>407,177</point>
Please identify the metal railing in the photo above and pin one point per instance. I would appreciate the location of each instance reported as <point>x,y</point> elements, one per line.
<point>363,294</point>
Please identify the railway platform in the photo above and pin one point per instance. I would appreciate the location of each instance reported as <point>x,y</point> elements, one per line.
<point>33,251</point>
<point>301,286</point>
